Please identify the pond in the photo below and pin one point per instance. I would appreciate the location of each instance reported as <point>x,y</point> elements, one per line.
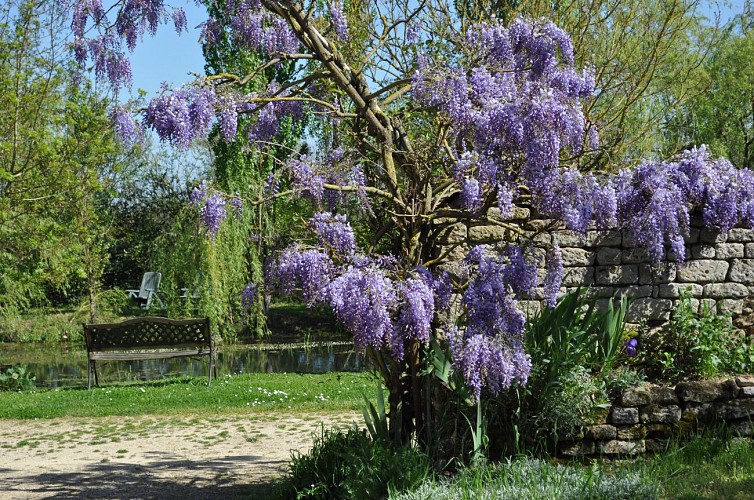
<point>67,366</point>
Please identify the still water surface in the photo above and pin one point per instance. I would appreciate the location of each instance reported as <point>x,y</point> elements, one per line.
<point>65,368</point>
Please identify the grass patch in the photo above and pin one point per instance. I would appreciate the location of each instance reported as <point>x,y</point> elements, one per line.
<point>254,391</point>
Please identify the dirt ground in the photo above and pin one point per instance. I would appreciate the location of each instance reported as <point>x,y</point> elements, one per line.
<point>153,457</point>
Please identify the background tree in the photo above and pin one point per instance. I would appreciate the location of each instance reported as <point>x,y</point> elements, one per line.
<point>56,147</point>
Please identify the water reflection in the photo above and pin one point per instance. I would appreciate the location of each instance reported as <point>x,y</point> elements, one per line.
<point>54,370</point>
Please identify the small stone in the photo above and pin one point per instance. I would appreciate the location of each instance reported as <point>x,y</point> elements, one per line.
<point>635,256</point>
<point>610,238</point>
<point>739,234</point>
<point>578,276</point>
<point>662,431</point>
<point>712,236</point>
<point>577,449</point>
<point>703,271</point>
<point>704,413</point>
<point>745,381</point>
<point>577,257</point>
<point>740,408</point>
<point>656,445</point>
<point>636,396</point>
<point>664,273</point>
<point>742,271</point>
<point>621,415</point>
<point>726,290</point>
<point>741,428</point>
<point>608,256</point>
<point>726,251</point>
<point>749,250</point>
<point>636,431</point>
<point>706,391</point>
<point>703,252</point>
<point>660,414</point>
<point>617,447</point>
<point>601,432</point>
<point>649,309</point>
<point>617,275</point>
<point>746,392</point>
<point>663,395</point>
<point>731,306</point>
<point>567,238</point>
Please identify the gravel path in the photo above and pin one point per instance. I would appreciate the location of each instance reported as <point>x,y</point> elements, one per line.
<point>153,457</point>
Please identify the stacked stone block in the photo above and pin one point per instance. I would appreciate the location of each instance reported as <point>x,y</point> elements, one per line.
<point>719,268</point>
<point>645,419</point>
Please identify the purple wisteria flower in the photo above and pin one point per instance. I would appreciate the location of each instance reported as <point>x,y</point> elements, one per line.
<point>338,20</point>
<point>334,232</point>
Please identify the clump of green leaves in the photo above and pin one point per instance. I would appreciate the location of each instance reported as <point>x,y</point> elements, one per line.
<point>350,464</point>
<point>17,378</point>
<point>573,349</point>
<point>700,344</point>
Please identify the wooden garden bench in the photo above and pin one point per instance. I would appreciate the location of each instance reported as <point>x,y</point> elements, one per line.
<point>148,338</point>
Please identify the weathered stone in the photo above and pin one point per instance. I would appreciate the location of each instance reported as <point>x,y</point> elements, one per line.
<point>635,256</point>
<point>713,236</point>
<point>567,238</point>
<point>577,449</point>
<point>729,251</point>
<point>662,274</point>
<point>739,408</point>
<point>617,275</point>
<point>621,415</point>
<point>662,431</point>
<point>617,447</point>
<point>601,292</point>
<point>741,428</point>
<point>742,271</point>
<point>530,307</point>
<point>649,309</point>
<point>636,396</point>
<point>601,432</point>
<point>726,291</point>
<point>517,213</point>
<point>739,234</point>
<point>653,413</point>
<point>746,392</point>
<point>706,390</point>
<point>603,238</point>
<point>634,292</point>
<point>486,234</point>
<point>673,290</point>
<point>749,251</point>
<point>745,381</point>
<point>656,445</point>
<point>698,412</point>
<point>577,257</point>
<point>636,431</point>
<point>731,306</point>
<point>702,271</point>
<point>703,252</point>
<point>577,276</point>
<point>608,256</point>
<point>662,395</point>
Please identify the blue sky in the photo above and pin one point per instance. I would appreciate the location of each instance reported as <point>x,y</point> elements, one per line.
<point>170,58</point>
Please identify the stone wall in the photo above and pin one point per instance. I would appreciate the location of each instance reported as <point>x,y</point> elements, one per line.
<point>644,419</point>
<point>719,269</point>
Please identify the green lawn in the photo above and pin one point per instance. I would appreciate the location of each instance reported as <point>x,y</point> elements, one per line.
<point>338,391</point>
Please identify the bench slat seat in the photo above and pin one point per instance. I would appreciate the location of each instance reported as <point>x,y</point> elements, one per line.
<point>148,338</point>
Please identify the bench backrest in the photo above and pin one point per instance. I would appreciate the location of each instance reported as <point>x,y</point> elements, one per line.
<point>148,333</point>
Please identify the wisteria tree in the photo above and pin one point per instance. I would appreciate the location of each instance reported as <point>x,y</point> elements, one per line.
<point>429,122</point>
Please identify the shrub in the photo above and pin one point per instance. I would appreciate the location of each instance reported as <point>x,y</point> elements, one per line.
<point>17,378</point>
<point>349,464</point>
<point>699,344</point>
